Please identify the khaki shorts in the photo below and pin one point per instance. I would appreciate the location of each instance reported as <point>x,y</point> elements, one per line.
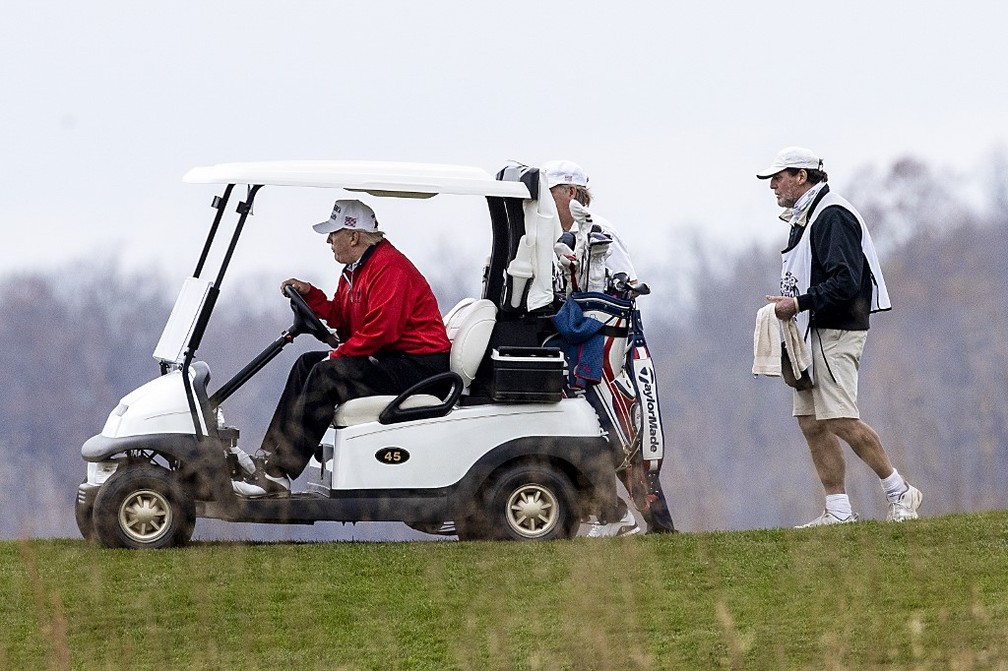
<point>836,357</point>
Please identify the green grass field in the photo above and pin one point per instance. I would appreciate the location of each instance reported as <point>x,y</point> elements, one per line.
<point>931,594</point>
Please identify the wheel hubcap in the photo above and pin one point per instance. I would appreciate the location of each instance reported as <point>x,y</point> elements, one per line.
<point>532,511</point>
<point>145,516</point>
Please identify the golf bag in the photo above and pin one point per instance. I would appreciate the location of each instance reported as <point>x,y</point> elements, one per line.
<point>608,358</point>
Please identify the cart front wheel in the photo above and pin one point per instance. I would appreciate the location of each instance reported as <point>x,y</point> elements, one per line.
<point>143,507</point>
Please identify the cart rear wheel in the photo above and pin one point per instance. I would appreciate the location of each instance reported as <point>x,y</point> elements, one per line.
<point>143,507</point>
<point>531,502</point>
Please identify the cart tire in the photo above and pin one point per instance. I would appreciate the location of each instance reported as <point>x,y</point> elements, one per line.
<point>143,507</point>
<point>85,521</point>
<point>530,502</point>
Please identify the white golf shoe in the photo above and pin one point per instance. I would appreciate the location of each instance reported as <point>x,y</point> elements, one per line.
<point>265,485</point>
<point>827,519</point>
<point>627,526</point>
<point>904,507</point>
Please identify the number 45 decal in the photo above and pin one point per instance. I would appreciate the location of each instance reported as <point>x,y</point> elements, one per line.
<point>392,455</point>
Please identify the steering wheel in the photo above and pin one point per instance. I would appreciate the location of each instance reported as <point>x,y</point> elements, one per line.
<point>305,320</point>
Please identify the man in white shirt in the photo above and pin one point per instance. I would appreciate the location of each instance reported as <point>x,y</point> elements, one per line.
<point>567,182</point>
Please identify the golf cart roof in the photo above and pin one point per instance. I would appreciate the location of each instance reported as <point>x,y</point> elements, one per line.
<point>518,277</point>
<point>378,178</point>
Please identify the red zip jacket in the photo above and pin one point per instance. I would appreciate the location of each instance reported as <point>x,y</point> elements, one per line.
<point>384,305</point>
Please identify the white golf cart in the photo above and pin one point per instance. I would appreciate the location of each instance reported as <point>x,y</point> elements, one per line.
<point>497,450</point>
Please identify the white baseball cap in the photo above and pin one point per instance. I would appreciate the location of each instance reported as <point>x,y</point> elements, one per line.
<point>351,214</point>
<point>792,157</point>
<point>563,172</point>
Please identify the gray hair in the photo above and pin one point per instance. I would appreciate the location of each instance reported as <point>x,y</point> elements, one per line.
<point>371,237</point>
<point>582,195</point>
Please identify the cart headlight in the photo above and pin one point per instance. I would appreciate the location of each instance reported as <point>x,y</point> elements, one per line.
<point>100,471</point>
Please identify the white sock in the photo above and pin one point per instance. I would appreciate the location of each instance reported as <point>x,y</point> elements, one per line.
<point>838,505</point>
<point>894,485</point>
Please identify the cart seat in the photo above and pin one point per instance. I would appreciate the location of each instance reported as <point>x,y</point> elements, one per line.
<point>469,325</point>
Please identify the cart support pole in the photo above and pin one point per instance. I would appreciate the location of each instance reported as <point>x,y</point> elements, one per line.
<point>253,367</point>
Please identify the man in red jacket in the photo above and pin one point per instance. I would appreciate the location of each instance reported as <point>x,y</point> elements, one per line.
<point>391,332</point>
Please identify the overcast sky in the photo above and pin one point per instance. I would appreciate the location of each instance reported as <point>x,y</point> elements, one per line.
<point>670,106</point>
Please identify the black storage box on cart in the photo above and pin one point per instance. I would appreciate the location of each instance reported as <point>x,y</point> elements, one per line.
<point>527,374</point>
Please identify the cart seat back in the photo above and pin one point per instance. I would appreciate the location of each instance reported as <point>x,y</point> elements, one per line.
<point>469,325</point>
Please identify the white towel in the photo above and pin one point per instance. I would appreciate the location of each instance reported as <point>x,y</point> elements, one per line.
<point>801,360</point>
<point>767,344</point>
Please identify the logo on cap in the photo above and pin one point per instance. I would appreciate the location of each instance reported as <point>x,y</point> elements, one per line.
<point>350,222</point>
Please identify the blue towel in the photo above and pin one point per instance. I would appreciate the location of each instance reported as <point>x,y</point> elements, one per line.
<point>583,345</point>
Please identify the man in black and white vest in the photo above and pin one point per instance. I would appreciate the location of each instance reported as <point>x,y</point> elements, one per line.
<point>831,281</point>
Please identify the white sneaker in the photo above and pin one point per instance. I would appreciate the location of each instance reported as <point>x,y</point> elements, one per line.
<point>904,507</point>
<point>266,485</point>
<point>828,518</point>
<point>627,526</point>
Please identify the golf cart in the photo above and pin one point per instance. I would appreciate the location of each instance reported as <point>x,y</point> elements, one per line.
<point>493,445</point>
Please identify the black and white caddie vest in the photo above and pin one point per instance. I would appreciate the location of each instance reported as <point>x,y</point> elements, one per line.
<point>796,263</point>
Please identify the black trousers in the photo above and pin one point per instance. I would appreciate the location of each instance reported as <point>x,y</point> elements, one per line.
<point>317,384</point>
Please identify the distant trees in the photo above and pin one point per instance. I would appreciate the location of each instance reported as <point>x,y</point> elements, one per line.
<point>74,345</point>
<point>934,379</point>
